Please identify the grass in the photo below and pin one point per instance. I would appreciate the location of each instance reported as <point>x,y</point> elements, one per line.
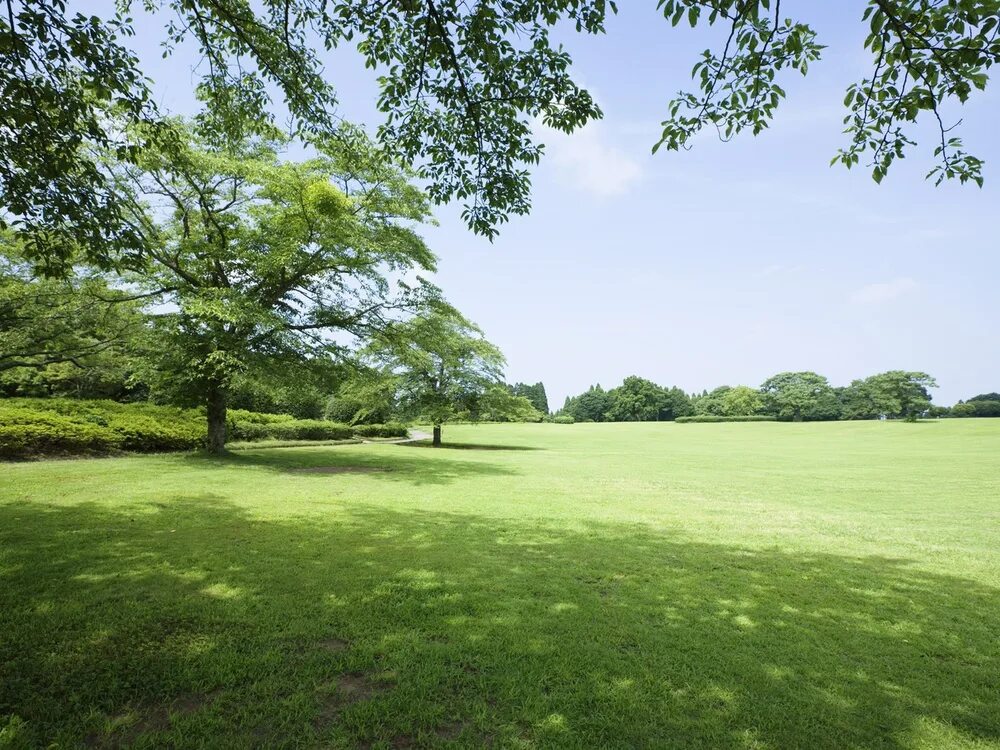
<point>656,585</point>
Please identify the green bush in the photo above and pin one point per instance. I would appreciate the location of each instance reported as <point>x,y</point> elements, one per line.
<point>290,429</point>
<point>388,430</point>
<point>60,426</point>
<point>562,419</point>
<point>144,434</point>
<point>39,427</point>
<point>242,415</point>
<point>54,437</point>
<point>716,418</point>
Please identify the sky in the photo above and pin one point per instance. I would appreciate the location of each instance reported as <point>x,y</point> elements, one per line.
<point>724,264</point>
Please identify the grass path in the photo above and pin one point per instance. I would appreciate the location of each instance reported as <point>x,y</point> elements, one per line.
<point>717,586</point>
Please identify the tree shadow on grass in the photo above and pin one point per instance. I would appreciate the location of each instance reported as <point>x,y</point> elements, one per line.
<point>384,461</point>
<point>446,445</point>
<point>194,624</point>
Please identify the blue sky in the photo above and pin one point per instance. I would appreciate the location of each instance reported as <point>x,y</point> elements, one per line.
<point>725,264</point>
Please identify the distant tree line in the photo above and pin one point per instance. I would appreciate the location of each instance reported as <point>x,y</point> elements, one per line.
<point>788,396</point>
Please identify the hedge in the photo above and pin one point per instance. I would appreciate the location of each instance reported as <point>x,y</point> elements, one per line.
<point>293,429</point>
<point>49,437</point>
<point>44,427</point>
<point>716,418</point>
<point>387,430</point>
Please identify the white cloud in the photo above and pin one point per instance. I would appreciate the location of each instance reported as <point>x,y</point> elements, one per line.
<point>875,294</point>
<point>587,161</point>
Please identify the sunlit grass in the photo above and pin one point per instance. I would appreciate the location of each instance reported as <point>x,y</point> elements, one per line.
<point>656,585</point>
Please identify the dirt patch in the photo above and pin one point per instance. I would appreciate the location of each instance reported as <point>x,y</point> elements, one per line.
<point>351,688</point>
<point>356,687</point>
<point>338,470</point>
<point>452,731</point>
<point>334,645</point>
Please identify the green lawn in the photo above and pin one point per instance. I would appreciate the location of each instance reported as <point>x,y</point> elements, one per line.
<point>654,585</point>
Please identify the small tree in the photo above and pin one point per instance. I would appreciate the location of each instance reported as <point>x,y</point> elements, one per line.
<point>445,368</point>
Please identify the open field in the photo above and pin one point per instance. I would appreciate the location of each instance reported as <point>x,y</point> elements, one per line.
<point>617,585</point>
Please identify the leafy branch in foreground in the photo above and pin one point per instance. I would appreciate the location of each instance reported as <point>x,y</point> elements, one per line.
<point>927,54</point>
<point>460,85</point>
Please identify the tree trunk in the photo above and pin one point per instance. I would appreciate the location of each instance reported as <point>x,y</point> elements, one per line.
<point>437,436</point>
<point>216,420</point>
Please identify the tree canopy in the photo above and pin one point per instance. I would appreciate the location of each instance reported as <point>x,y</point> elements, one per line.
<point>799,396</point>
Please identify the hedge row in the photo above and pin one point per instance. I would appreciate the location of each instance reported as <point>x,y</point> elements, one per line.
<point>295,429</point>
<point>46,427</point>
<point>716,418</point>
<point>33,427</point>
<point>387,430</point>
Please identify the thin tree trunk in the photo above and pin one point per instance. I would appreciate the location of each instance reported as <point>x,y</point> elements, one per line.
<point>437,436</point>
<point>216,419</point>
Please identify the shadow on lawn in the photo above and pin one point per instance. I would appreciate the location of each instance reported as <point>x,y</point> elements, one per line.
<point>386,460</point>
<point>446,445</point>
<point>194,624</point>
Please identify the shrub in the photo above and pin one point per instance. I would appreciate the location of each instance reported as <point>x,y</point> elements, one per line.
<point>388,430</point>
<point>963,410</point>
<point>59,426</point>
<point>290,429</point>
<point>242,415</point>
<point>562,419</point>
<point>144,434</point>
<point>716,418</point>
<point>51,437</point>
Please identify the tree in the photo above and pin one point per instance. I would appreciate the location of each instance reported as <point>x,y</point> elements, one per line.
<point>984,407</point>
<point>636,400</point>
<point>590,406</point>
<point>985,397</point>
<point>444,367</point>
<point>264,263</point>
<point>499,404</point>
<point>462,85</point>
<point>741,401</point>
<point>962,409</point>
<point>798,396</point>
<point>676,403</point>
<point>896,394</point>
<point>366,395</point>
<point>712,403</point>
<point>534,393</point>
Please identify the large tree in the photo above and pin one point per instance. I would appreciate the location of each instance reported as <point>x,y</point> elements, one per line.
<point>635,400</point>
<point>261,263</point>
<point>590,406</point>
<point>894,394</point>
<point>798,396</point>
<point>462,83</point>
